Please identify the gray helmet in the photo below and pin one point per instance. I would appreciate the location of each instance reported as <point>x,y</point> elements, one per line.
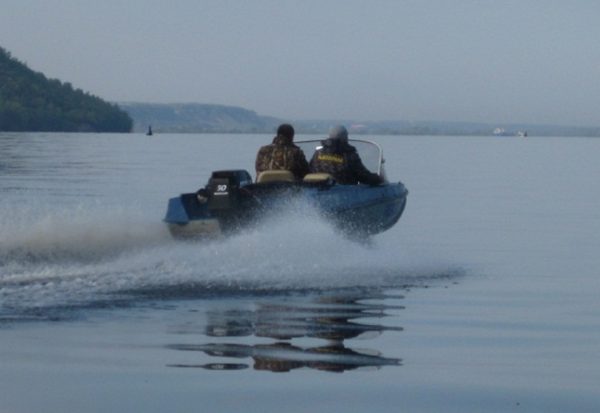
<point>339,133</point>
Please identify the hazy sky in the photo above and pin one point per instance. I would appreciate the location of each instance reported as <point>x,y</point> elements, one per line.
<point>498,61</point>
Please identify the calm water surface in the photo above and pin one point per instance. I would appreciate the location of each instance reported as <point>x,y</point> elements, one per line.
<point>483,298</point>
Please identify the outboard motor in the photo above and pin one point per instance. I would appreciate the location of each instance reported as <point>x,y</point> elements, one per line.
<point>223,190</point>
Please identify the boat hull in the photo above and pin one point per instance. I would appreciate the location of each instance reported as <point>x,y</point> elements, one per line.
<point>356,210</point>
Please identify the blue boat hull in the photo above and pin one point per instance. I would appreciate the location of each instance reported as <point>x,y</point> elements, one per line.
<point>357,210</point>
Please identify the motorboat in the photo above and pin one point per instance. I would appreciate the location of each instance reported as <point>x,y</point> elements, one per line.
<point>232,201</point>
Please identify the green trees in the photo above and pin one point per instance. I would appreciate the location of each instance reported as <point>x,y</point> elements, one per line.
<point>31,102</point>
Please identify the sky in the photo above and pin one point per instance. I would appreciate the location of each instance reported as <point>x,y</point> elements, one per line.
<point>493,61</point>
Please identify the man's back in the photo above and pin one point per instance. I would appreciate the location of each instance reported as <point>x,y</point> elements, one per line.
<point>282,154</point>
<point>341,160</point>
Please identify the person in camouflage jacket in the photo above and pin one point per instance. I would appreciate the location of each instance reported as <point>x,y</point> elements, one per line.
<point>341,160</point>
<point>282,154</point>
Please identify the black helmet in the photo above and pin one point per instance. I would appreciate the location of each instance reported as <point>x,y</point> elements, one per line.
<point>287,130</point>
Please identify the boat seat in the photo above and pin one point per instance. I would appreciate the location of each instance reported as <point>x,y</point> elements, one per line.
<point>318,177</point>
<point>275,176</point>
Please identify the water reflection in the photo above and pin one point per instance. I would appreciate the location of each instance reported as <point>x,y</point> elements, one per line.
<point>321,323</point>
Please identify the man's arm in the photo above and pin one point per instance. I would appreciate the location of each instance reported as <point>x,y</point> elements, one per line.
<point>362,173</point>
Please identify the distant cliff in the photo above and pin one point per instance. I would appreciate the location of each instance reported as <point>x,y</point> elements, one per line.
<point>31,102</point>
<point>197,117</point>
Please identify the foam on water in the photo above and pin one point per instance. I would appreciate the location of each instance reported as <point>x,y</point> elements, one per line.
<point>84,232</point>
<point>83,227</point>
<point>108,254</point>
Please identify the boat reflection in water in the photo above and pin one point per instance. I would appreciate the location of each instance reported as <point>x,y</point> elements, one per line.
<point>330,320</point>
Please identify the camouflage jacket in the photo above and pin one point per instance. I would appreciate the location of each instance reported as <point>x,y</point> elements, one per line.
<point>282,154</point>
<point>343,162</point>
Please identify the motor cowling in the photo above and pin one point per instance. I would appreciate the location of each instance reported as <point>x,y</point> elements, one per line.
<point>223,189</point>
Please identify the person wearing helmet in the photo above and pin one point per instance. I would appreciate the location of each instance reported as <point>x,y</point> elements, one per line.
<point>341,160</point>
<point>282,154</point>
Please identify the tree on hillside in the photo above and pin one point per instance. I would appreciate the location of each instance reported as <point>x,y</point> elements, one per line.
<point>31,102</point>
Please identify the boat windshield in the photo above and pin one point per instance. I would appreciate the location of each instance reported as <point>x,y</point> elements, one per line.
<point>370,152</point>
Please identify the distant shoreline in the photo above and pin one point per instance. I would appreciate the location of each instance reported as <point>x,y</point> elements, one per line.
<point>210,118</point>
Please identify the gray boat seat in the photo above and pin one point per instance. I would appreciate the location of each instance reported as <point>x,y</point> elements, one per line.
<point>275,176</point>
<point>318,177</point>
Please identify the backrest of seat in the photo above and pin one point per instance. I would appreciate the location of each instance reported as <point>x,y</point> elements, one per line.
<point>317,177</point>
<point>275,176</point>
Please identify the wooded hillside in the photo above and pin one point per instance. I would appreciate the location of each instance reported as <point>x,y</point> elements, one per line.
<point>31,102</point>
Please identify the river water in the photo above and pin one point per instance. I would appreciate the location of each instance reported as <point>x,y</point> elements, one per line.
<point>484,297</point>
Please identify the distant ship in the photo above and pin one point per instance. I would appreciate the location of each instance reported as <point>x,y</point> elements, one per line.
<point>500,132</point>
<point>149,133</point>
<point>504,132</point>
